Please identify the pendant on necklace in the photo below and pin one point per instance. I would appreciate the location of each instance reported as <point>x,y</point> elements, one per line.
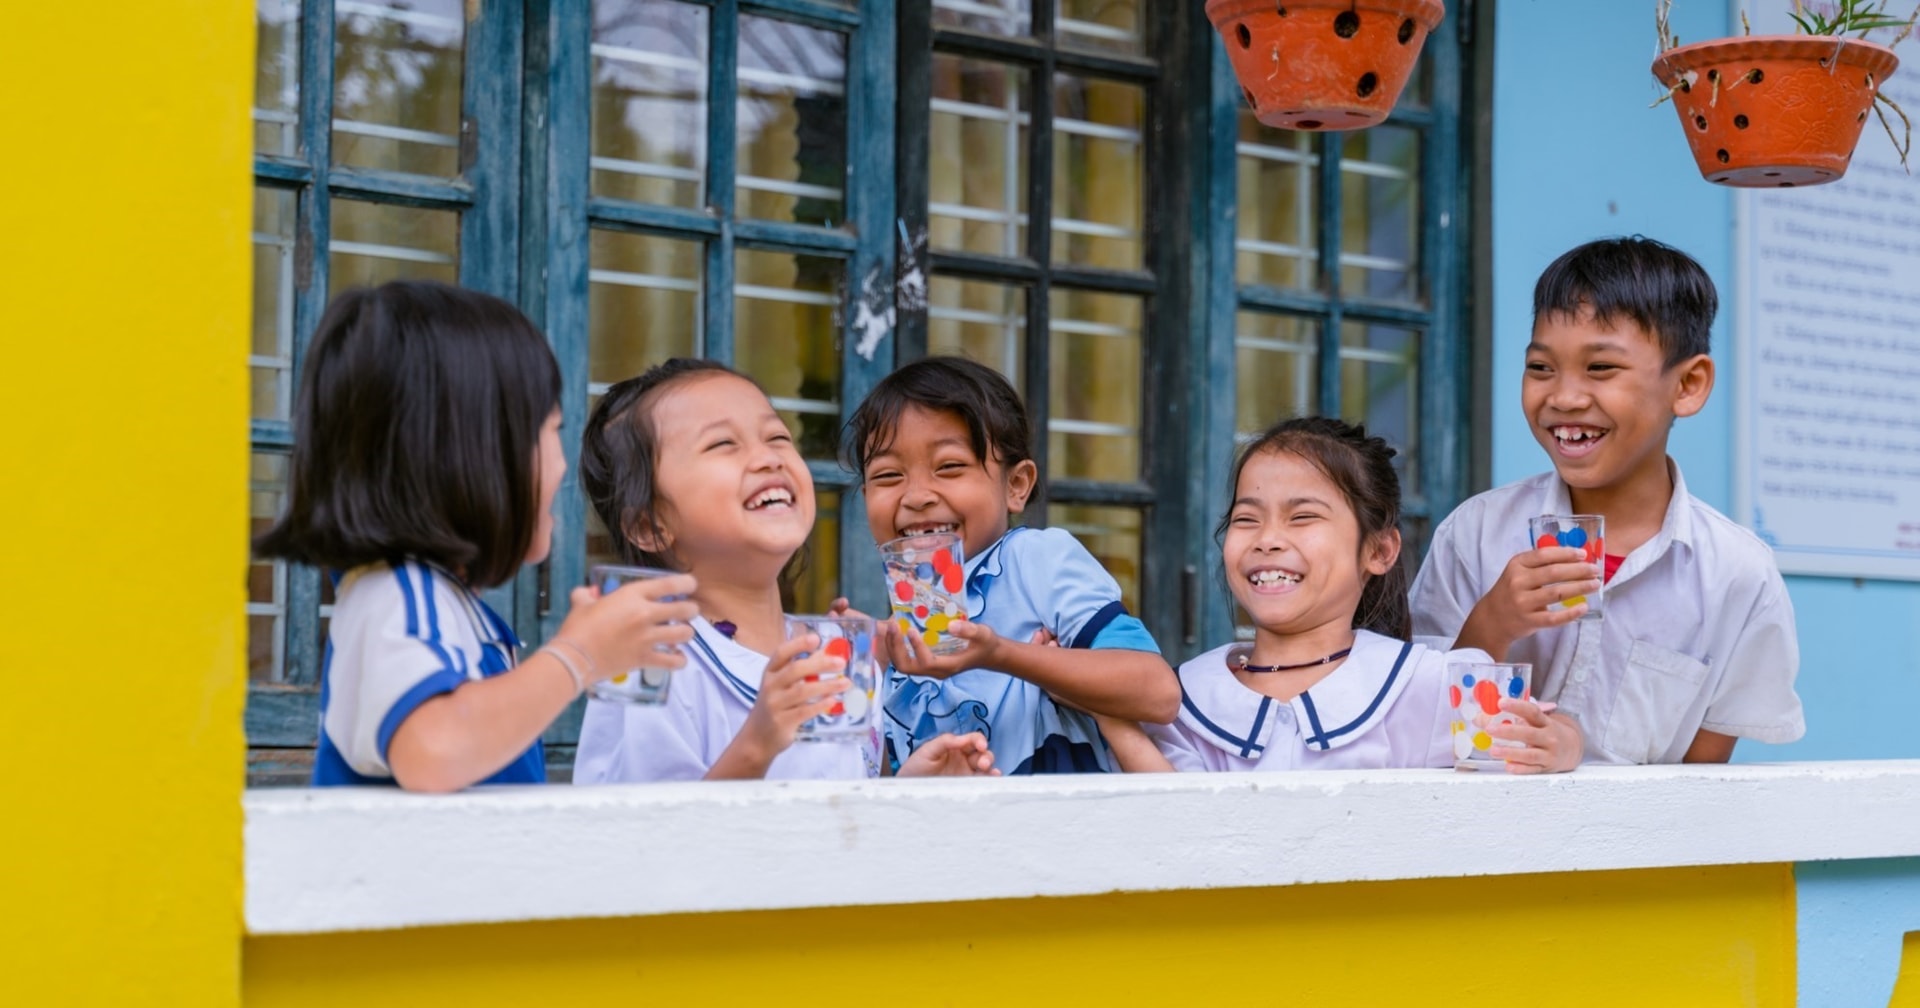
<point>1334,657</point>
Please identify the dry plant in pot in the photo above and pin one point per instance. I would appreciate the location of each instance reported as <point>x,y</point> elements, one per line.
<point>1767,111</point>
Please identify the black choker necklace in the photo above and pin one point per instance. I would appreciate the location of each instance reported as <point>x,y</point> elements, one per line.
<point>1334,657</point>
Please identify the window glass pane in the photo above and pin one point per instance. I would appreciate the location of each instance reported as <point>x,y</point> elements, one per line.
<point>983,321</point>
<point>818,583</point>
<point>375,242</point>
<point>650,101</point>
<point>1279,213</point>
<point>1420,85</point>
<point>1380,213</point>
<point>266,579</point>
<point>977,171</point>
<point>989,17</point>
<point>396,91</point>
<point>791,123</point>
<point>785,337</point>
<point>643,304</point>
<point>1274,370</point>
<point>271,359</point>
<point>276,78</point>
<point>1105,25</point>
<point>1095,384</point>
<point>1097,172</point>
<point>1379,382</point>
<point>1112,535</point>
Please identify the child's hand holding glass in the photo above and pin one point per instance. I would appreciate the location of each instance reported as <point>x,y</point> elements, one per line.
<point>1518,604</point>
<point>642,625</point>
<point>793,691</point>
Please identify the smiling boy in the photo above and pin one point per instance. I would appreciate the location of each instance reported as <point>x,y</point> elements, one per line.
<point>1697,646</point>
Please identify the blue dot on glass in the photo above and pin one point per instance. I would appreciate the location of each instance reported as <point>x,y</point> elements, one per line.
<point>924,572</point>
<point>1515,687</point>
<point>1574,537</point>
<point>1466,680</point>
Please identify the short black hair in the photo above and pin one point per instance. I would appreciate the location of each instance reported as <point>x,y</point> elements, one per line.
<point>620,452</point>
<point>983,399</point>
<point>1659,287</point>
<point>415,434</point>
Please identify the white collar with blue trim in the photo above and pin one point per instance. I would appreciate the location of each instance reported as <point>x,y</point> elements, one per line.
<point>987,565</point>
<point>1344,706</point>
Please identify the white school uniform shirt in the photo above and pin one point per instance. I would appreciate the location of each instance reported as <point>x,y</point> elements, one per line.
<point>1382,708</point>
<point>1697,629</point>
<point>707,704</point>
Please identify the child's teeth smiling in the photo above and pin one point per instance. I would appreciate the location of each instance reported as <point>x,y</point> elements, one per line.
<point>1576,440</point>
<point>770,498</point>
<point>929,528</point>
<point>1272,575</point>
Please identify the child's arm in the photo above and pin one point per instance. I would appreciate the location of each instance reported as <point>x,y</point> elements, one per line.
<point>1710,747</point>
<point>459,738</point>
<point>1131,685</point>
<point>1516,605</point>
<point>792,691</point>
<point>1132,749</point>
<point>950,755</point>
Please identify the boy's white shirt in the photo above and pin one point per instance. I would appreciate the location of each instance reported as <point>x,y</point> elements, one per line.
<point>682,738</point>
<point>1376,711</point>
<point>1697,630</point>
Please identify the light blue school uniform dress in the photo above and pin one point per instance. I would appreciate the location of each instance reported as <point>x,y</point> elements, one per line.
<point>1028,579</point>
<point>399,637</point>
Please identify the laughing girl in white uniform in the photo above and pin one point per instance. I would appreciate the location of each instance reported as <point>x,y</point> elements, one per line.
<point>1311,551</point>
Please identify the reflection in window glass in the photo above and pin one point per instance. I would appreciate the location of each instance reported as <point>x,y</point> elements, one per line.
<point>988,17</point>
<point>1278,215</point>
<point>396,102</point>
<point>785,337</point>
<point>1275,370</point>
<point>1097,172</point>
<point>1102,25</point>
<point>649,101</point>
<point>818,580</point>
<point>270,360</point>
<point>266,579</point>
<point>979,320</point>
<point>1112,535</point>
<point>374,243</point>
<point>1380,213</point>
<point>276,78</point>
<point>791,121</point>
<point>643,304</point>
<point>1095,383</point>
<point>1379,378</point>
<point>977,171</point>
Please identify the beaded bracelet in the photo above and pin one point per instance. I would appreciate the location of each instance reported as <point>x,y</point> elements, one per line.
<point>573,671</point>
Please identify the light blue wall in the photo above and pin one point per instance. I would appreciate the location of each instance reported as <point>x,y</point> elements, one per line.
<point>1577,155</point>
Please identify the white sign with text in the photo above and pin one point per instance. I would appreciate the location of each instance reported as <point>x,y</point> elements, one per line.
<point>1827,325</point>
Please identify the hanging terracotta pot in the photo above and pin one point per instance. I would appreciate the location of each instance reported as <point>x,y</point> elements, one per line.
<point>1767,111</point>
<point>1323,64</point>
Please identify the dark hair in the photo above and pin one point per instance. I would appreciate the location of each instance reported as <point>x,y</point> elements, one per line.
<point>415,434</point>
<point>996,419</point>
<point>1362,467</point>
<point>1658,286</point>
<point>620,455</point>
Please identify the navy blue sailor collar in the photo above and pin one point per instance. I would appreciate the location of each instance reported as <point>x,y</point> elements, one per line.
<point>980,572</point>
<point>1337,710</point>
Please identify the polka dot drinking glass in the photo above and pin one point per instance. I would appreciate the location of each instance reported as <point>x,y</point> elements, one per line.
<point>635,686</point>
<point>1587,533</point>
<point>1474,692</point>
<point>925,584</point>
<point>851,639</point>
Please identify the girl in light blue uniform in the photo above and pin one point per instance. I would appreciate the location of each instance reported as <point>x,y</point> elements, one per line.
<point>944,445</point>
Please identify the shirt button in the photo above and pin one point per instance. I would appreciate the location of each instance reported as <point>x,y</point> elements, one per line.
<point>1285,715</point>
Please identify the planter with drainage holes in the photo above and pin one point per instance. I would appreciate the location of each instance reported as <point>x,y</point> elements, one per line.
<point>1774,111</point>
<point>1323,64</point>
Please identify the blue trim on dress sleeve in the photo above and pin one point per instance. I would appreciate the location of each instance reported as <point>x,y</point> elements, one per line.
<point>443,681</point>
<point>1126,633</point>
<point>1098,622</point>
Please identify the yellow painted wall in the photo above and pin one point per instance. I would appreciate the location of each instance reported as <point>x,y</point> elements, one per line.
<point>1906,988</point>
<point>1696,937</point>
<point>124,207</point>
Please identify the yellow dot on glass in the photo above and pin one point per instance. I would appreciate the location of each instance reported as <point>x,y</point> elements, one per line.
<point>1574,601</point>
<point>931,637</point>
<point>938,622</point>
<point>620,680</point>
<point>1481,740</point>
<point>1457,727</point>
<point>906,625</point>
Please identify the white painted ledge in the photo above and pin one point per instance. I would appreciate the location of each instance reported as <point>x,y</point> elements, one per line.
<point>361,859</point>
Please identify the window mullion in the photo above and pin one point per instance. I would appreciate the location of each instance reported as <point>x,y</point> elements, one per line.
<point>1445,351</point>
<point>913,89</point>
<point>1040,249</point>
<point>1330,233</point>
<point>314,215</point>
<point>723,57</point>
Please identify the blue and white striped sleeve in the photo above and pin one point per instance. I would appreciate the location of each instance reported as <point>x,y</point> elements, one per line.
<point>1079,600</point>
<point>399,638</point>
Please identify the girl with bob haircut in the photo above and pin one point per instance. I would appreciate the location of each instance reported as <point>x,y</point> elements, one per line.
<point>691,469</point>
<point>425,459</point>
<point>1310,546</point>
